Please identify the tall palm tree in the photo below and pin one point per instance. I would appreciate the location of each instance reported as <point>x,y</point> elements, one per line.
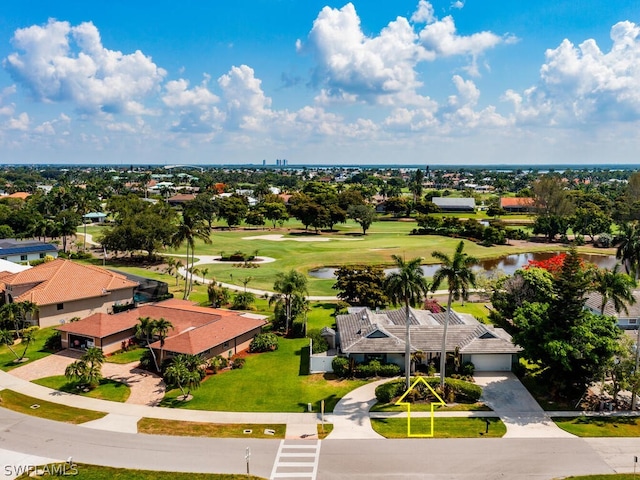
<point>145,330</point>
<point>162,327</point>
<point>629,249</point>
<point>289,285</point>
<point>615,286</point>
<point>189,230</point>
<point>406,286</point>
<point>458,273</point>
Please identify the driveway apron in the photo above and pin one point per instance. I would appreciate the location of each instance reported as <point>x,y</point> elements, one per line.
<point>523,416</point>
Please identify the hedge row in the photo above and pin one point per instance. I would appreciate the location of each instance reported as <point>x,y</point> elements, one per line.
<point>461,391</point>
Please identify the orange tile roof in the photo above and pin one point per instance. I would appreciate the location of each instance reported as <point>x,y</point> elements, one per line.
<point>62,281</point>
<point>20,195</point>
<point>100,325</point>
<point>196,329</point>
<point>522,202</point>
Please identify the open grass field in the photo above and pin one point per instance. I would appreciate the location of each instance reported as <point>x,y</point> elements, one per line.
<point>107,390</point>
<point>155,426</point>
<point>600,426</point>
<point>96,472</point>
<point>22,404</point>
<point>443,427</point>
<point>305,251</point>
<point>269,382</point>
<point>35,350</point>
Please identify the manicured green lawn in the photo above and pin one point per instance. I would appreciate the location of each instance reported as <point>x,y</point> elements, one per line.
<point>155,426</point>
<point>107,390</point>
<point>95,472</point>
<point>600,426</point>
<point>344,246</point>
<point>443,427</point>
<point>478,310</point>
<point>269,382</point>
<point>132,355</point>
<point>22,403</point>
<point>35,351</point>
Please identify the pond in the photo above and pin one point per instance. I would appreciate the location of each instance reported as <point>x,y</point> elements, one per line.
<point>508,264</point>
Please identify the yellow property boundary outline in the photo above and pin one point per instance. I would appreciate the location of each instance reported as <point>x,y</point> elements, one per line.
<point>439,402</point>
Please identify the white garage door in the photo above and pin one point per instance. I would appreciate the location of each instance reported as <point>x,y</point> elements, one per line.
<point>491,363</point>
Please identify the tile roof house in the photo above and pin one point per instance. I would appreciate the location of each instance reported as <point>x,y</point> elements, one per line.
<point>196,330</point>
<point>517,204</point>
<point>626,321</point>
<point>450,204</point>
<point>364,335</point>
<point>63,290</point>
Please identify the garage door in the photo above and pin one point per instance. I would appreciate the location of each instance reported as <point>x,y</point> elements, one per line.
<point>491,363</point>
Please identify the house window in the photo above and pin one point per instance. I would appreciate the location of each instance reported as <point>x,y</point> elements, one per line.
<point>23,258</point>
<point>633,321</point>
<point>60,306</point>
<point>381,357</point>
<point>225,345</point>
<point>42,255</point>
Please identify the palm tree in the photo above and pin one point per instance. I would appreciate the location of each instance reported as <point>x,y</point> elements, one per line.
<point>406,286</point>
<point>289,285</point>
<point>145,330</point>
<point>458,273</point>
<point>190,229</point>
<point>162,327</point>
<point>615,286</point>
<point>185,371</point>
<point>28,336</point>
<point>629,249</point>
<point>7,338</point>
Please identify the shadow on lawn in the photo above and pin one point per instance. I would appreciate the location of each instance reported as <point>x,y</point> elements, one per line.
<point>303,353</point>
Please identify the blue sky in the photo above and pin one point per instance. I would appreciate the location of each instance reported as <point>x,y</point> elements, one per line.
<point>366,82</point>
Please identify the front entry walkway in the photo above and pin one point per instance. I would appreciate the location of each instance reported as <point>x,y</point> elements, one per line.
<point>512,402</point>
<point>146,388</point>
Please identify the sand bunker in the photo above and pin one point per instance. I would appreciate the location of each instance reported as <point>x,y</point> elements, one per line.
<point>282,238</point>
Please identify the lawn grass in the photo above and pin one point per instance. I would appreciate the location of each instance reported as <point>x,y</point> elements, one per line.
<point>35,351</point>
<point>107,389</point>
<point>443,427</point>
<point>534,380</point>
<point>269,382</point>
<point>133,354</point>
<point>345,246</point>
<point>155,426</point>
<point>96,472</point>
<point>22,404</point>
<point>600,426</point>
<point>324,430</point>
<point>479,310</point>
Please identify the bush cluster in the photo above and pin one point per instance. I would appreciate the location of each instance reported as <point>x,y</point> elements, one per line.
<point>264,342</point>
<point>455,390</point>
<point>340,366</point>
<point>374,368</point>
<point>319,343</point>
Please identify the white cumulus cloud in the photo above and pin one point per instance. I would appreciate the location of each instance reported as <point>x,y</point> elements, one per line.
<point>60,62</point>
<point>583,84</point>
<point>246,106</point>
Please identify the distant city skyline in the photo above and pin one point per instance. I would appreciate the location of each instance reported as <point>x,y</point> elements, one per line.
<point>362,83</point>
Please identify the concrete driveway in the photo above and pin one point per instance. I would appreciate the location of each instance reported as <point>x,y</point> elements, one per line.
<point>523,416</point>
<point>146,388</point>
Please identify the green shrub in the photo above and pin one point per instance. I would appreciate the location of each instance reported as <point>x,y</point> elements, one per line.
<point>319,343</point>
<point>237,363</point>
<point>54,342</point>
<point>389,370</point>
<point>388,391</point>
<point>464,391</point>
<point>468,369</point>
<point>340,366</point>
<point>264,342</point>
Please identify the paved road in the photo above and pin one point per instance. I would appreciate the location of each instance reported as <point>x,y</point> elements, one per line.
<point>462,459</point>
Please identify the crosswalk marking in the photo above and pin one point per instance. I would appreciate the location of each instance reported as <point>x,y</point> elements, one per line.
<point>290,455</point>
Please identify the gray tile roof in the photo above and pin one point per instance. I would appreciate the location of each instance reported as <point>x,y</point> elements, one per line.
<point>384,332</point>
<point>594,302</point>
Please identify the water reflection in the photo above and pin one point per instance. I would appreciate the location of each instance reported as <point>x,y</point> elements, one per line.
<point>508,264</point>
